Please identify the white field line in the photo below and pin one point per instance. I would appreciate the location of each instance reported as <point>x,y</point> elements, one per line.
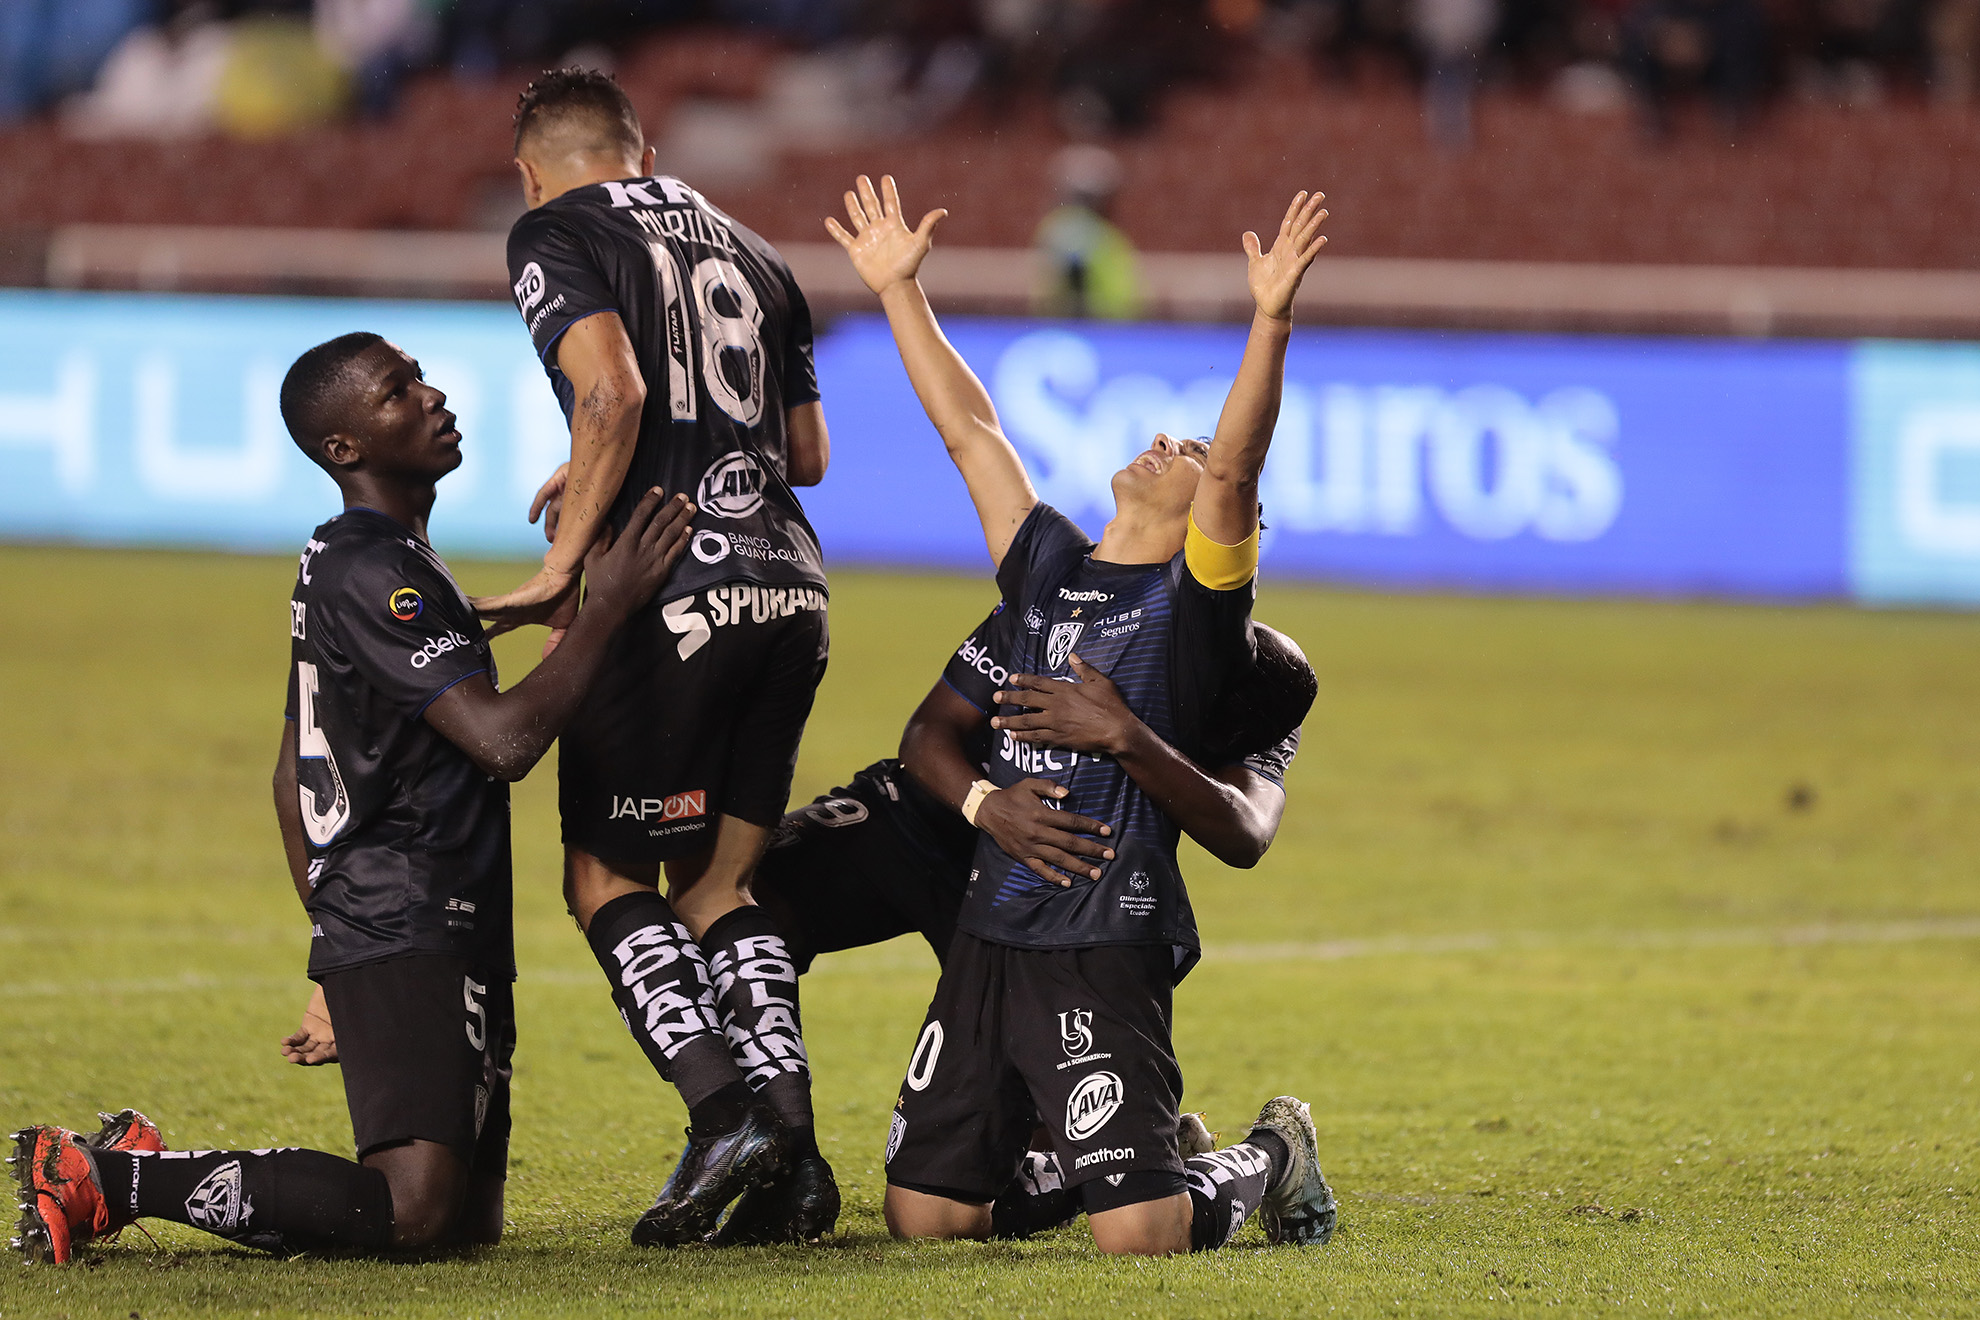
<point>914,954</point>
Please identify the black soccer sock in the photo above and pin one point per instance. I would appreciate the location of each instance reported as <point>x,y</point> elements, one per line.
<point>1226,1185</point>
<point>1035,1200</point>
<point>756,989</point>
<point>660,983</point>
<point>277,1200</point>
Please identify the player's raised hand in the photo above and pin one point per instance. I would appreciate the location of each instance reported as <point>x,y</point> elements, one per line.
<point>1051,842</point>
<point>539,600</point>
<point>625,573</point>
<point>549,502</point>
<point>883,249</point>
<point>1089,715</point>
<point>1274,276</point>
<point>315,1041</point>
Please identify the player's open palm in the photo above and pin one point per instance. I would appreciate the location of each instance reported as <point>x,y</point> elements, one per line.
<point>1274,275</point>
<point>624,574</point>
<point>1027,823</point>
<point>884,250</point>
<point>1088,715</point>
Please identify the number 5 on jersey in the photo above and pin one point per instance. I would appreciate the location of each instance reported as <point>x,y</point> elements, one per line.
<point>326,807</point>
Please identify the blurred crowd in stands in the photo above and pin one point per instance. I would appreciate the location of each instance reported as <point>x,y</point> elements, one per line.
<point>140,68</point>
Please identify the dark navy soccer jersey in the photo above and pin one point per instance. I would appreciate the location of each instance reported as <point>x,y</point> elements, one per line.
<point>1172,646</point>
<point>408,841</point>
<point>723,338</point>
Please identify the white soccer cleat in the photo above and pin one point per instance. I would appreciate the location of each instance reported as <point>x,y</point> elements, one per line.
<point>1301,1208</point>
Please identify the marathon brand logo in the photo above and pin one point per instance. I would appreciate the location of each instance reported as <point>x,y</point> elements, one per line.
<point>977,657</point>
<point>438,646</point>
<point>529,289</point>
<point>406,605</point>
<point>675,806</point>
<point>1066,593</point>
<point>732,487</point>
<point>733,603</point>
<point>1096,1099</point>
<point>1105,1155</point>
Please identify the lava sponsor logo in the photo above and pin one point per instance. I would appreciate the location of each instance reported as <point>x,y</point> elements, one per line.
<point>1059,645</point>
<point>1105,1155</point>
<point>529,289</point>
<point>709,547</point>
<point>436,647</point>
<point>406,605</point>
<point>1076,1031</point>
<point>675,806</point>
<point>977,656</point>
<point>218,1204</point>
<point>732,487</point>
<point>1093,1102</point>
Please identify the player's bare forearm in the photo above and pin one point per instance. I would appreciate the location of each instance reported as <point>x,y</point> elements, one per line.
<point>1227,498</point>
<point>1233,813</point>
<point>810,443</point>
<point>288,813</point>
<point>506,733</point>
<point>933,746</point>
<point>604,433</point>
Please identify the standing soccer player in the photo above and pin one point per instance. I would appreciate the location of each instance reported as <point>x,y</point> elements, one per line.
<point>680,349</point>
<point>393,798</point>
<point>1058,987</point>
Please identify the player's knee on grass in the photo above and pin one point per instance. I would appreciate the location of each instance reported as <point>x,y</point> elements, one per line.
<point>916,1214</point>
<point>1146,1228</point>
<point>479,1223</point>
<point>429,1184</point>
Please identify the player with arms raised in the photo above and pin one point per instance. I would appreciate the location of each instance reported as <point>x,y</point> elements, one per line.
<point>1060,980</point>
<point>680,349</point>
<point>392,794</point>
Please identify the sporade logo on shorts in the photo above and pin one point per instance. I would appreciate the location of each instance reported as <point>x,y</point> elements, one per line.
<point>436,647</point>
<point>406,605</point>
<point>732,487</point>
<point>1096,1099</point>
<point>529,289</point>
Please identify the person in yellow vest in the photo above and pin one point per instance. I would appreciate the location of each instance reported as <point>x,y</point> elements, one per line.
<point>1087,266</point>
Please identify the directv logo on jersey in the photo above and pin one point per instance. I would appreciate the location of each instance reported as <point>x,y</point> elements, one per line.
<point>732,487</point>
<point>436,647</point>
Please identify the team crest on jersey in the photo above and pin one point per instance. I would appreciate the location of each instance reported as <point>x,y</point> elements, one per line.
<point>217,1204</point>
<point>406,605</point>
<point>1059,645</point>
<point>732,487</point>
<point>1095,1100</point>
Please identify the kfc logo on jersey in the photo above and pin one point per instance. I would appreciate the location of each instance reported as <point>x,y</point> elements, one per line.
<point>676,806</point>
<point>978,657</point>
<point>436,647</point>
<point>529,289</point>
<point>1096,1099</point>
<point>406,605</point>
<point>732,487</point>
<point>1064,637</point>
<point>1076,1031</point>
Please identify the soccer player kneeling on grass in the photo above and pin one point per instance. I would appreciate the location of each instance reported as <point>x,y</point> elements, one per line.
<point>1058,987</point>
<point>392,794</point>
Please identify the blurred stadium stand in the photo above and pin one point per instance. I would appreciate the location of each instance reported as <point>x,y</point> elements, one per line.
<point>1842,201</point>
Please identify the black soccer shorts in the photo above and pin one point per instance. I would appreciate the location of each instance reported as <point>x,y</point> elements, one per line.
<point>1082,1034</point>
<point>425,1043</point>
<point>840,874</point>
<point>696,714</point>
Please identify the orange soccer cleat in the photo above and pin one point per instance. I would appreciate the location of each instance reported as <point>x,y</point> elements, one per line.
<point>126,1130</point>
<point>62,1203</point>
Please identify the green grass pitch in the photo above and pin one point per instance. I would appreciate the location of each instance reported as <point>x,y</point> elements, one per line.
<point>1629,953</point>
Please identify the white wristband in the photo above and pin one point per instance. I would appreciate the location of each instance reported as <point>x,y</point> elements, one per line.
<point>979,790</point>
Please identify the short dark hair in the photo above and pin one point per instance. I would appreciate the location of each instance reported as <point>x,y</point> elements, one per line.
<point>574,93</point>
<point>1265,702</point>
<point>312,402</point>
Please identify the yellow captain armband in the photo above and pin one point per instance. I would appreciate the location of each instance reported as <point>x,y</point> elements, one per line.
<point>1218,566</point>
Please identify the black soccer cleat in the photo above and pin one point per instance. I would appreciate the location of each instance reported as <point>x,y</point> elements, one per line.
<point>714,1170</point>
<point>801,1205</point>
<point>1301,1209</point>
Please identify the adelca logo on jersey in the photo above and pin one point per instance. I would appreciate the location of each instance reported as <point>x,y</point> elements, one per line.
<point>436,647</point>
